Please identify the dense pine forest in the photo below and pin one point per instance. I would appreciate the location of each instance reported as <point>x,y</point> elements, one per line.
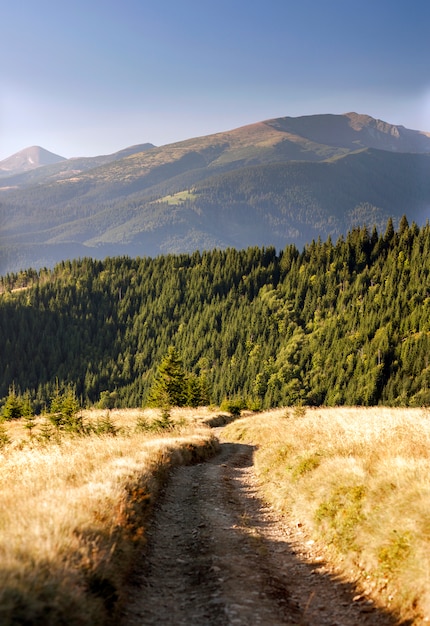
<point>336,323</point>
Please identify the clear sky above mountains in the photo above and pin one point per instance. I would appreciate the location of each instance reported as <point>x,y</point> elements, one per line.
<point>87,78</point>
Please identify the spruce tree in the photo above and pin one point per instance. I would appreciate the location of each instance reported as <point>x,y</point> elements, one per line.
<point>13,407</point>
<point>170,385</point>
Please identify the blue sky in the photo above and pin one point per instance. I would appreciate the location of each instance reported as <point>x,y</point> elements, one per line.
<point>92,77</point>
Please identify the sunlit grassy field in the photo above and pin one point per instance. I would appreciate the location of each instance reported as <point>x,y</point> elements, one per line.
<point>73,511</point>
<point>358,479</point>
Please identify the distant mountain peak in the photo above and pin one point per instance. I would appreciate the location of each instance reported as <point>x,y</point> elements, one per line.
<point>279,181</point>
<point>28,159</point>
<point>354,129</point>
<point>358,121</point>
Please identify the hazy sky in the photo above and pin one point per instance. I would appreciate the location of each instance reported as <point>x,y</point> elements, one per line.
<point>92,77</point>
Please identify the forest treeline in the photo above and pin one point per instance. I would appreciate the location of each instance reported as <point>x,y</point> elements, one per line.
<point>336,323</point>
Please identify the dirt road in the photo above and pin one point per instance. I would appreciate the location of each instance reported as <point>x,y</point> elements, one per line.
<point>216,556</point>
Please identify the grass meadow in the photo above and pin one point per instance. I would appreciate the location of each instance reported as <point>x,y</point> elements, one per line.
<point>358,480</point>
<point>73,511</point>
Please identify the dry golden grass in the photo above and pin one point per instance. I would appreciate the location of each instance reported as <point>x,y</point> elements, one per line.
<point>73,514</point>
<point>358,480</point>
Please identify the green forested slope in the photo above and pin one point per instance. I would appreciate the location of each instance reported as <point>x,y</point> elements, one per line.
<point>344,323</point>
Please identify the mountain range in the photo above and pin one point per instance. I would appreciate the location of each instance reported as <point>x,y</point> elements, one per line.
<point>280,181</point>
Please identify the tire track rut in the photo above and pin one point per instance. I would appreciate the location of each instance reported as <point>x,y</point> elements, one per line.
<point>216,555</point>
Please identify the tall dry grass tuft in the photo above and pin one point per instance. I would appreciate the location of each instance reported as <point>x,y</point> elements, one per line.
<point>73,516</point>
<point>358,479</point>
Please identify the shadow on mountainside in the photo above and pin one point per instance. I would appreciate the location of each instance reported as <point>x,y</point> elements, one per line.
<point>217,555</point>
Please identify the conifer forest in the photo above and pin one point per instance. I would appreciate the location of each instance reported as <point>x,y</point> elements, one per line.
<point>336,323</point>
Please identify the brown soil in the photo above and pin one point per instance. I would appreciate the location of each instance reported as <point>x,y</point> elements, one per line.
<point>217,555</point>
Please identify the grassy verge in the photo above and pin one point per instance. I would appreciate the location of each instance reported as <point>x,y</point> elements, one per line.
<point>358,480</point>
<point>73,513</point>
